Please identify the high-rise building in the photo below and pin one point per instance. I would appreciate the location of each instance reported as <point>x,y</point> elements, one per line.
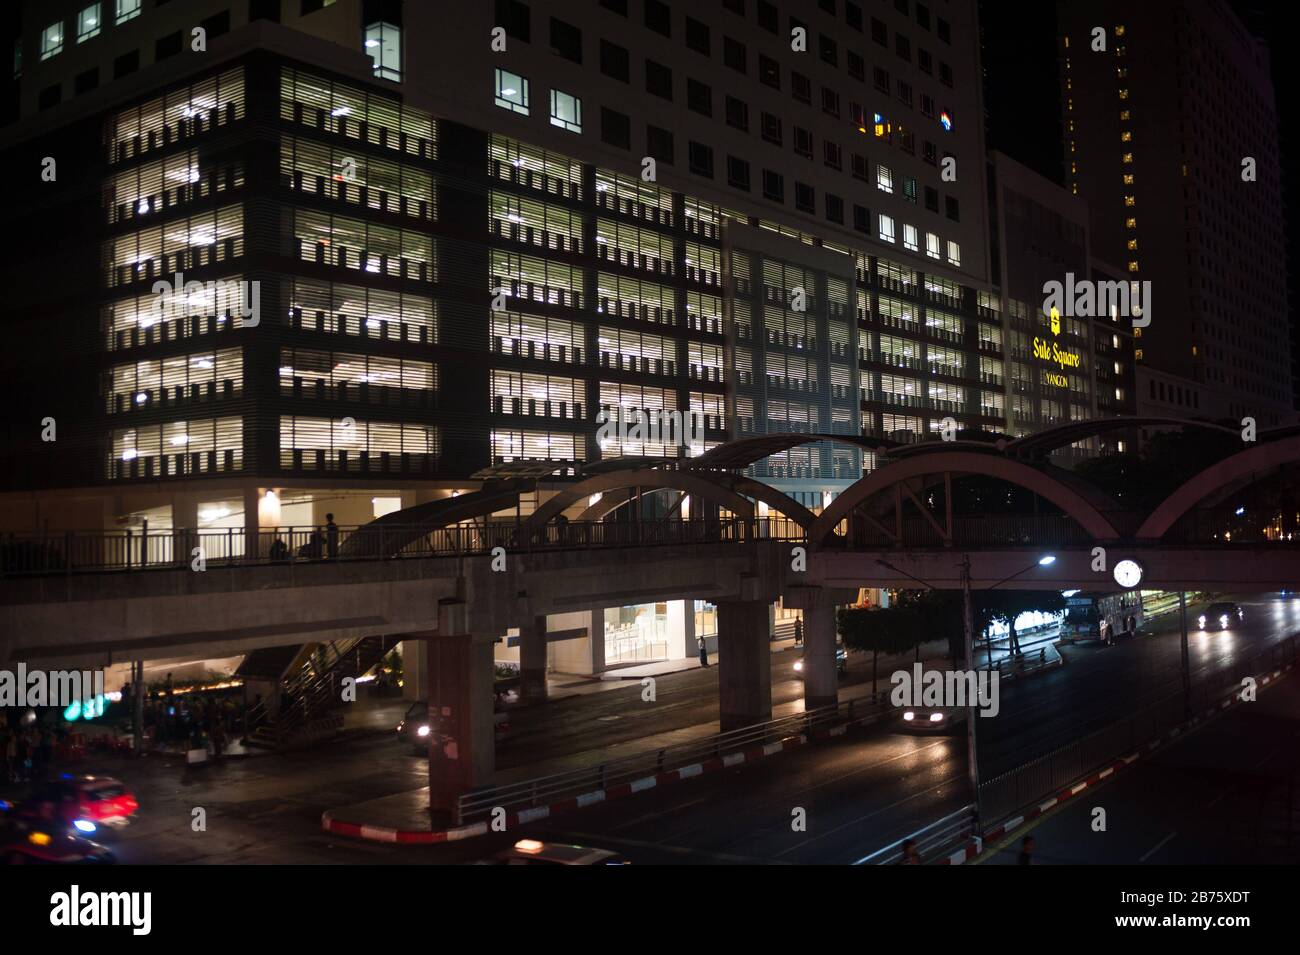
<point>1171,138</point>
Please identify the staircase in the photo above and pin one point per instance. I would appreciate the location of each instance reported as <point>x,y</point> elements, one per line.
<point>311,698</point>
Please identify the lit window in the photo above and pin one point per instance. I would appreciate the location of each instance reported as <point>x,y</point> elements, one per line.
<point>910,241</point>
<point>566,111</point>
<point>884,178</point>
<point>882,127</point>
<point>1130,201</point>
<point>1133,266</point>
<point>932,245</point>
<point>512,92</point>
<point>1124,115</point>
<point>1126,136</point>
<point>1130,223</point>
<point>1132,245</point>
<point>945,120</point>
<point>886,229</point>
<point>384,44</point>
<point>1127,158</point>
<point>1119,30</point>
<point>88,23</point>
<point>127,10</point>
<point>954,253</point>
<point>1123,94</point>
<point>51,40</point>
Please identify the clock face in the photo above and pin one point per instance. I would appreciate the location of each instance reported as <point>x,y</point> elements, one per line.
<point>1128,573</point>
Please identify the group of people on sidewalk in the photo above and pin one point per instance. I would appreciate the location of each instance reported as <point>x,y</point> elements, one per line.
<point>324,542</point>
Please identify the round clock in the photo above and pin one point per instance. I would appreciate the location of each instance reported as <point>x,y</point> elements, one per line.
<point>1128,573</point>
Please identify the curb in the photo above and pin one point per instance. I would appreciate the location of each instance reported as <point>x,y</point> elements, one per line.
<point>752,754</point>
<point>976,846</point>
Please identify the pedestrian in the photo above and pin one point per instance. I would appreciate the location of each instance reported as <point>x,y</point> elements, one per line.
<point>279,550</point>
<point>798,631</point>
<point>331,536</point>
<point>704,652</point>
<point>1026,851</point>
<point>910,855</point>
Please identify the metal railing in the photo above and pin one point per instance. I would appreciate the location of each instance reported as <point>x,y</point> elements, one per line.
<point>930,841</point>
<point>577,782</point>
<point>1053,772</point>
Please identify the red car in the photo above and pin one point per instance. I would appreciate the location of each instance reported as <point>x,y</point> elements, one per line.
<point>100,800</point>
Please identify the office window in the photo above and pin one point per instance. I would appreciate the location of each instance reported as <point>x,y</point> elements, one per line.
<point>861,167</point>
<point>614,61</point>
<point>737,113</point>
<point>803,142</point>
<point>834,209</point>
<point>615,6</point>
<point>932,198</point>
<point>945,74</point>
<point>909,189</point>
<point>832,155</point>
<point>800,87</point>
<point>910,238</point>
<point>700,158</point>
<point>879,33</point>
<point>771,128</point>
<point>951,208</point>
<point>659,144</point>
<point>830,101</point>
<point>737,173</point>
<point>925,61</point>
<point>511,91</point>
<point>87,81</point>
<point>830,52</point>
<point>805,198</point>
<point>942,30</point>
<point>697,36</point>
<point>861,219</point>
<point>769,72</point>
<point>126,64</point>
<point>954,253</point>
<point>88,23</point>
<point>384,44</point>
<point>773,186</point>
<point>126,10</point>
<point>566,40</point>
<point>903,47</point>
<point>513,17</point>
<point>615,128</point>
<point>932,245</point>
<point>699,97</point>
<point>52,40</point>
<point>886,229</point>
<point>853,16</point>
<point>880,77</point>
<point>658,79</point>
<point>733,54</point>
<point>658,17</point>
<point>884,179</point>
<point>566,111</point>
<point>857,66</point>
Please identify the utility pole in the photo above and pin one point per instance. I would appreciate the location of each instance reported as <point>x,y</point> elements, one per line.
<point>1187,675</point>
<point>137,688</point>
<point>968,625</point>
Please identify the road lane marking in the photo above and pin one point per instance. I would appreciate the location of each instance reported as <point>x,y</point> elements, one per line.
<point>1157,847</point>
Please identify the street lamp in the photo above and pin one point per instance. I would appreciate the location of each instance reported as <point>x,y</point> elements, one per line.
<point>968,626</point>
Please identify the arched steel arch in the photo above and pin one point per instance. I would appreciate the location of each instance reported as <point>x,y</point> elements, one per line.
<point>1059,436</point>
<point>386,536</point>
<point>1243,466</point>
<point>698,485</point>
<point>744,486</point>
<point>1073,502</point>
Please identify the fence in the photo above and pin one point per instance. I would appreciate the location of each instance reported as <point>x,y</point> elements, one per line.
<point>577,782</point>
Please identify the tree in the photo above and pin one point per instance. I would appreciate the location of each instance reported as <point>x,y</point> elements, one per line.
<point>1005,606</point>
<point>889,630</point>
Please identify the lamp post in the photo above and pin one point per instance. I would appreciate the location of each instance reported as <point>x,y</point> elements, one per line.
<point>968,635</point>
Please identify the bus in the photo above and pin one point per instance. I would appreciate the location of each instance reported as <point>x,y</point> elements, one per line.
<point>1105,617</point>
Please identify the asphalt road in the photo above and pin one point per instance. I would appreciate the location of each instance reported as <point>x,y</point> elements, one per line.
<point>856,793</point>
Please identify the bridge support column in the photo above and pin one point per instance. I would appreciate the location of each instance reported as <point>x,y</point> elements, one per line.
<point>532,661</point>
<point>744,664</point>
<point>820,679</point>
<point>462,746</point>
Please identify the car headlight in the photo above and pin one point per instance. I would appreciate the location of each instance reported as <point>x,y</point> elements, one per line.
<point>84,825</point>
<point>936,717</point>
<point>798,666</point>
<point>909,716</point>
<point>1201,621</point>
<point>422,731</point>
<point>1223,620</point>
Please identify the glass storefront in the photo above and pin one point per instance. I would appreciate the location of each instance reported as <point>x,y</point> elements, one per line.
<point>636,634</point>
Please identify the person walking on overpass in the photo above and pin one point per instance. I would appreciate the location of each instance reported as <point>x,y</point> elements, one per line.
<point>331,536</point>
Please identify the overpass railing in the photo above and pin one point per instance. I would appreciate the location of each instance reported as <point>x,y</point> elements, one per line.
<point>519,796</point>
<point>135,550</point>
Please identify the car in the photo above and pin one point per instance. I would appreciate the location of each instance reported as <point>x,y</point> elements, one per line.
<point>841,663</point>
<point>97,800</point>
<point>414,728</point>
<point>25,841</point>
<point>1220,616</point>
<point>536,852</point>
<point>931,719</point>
